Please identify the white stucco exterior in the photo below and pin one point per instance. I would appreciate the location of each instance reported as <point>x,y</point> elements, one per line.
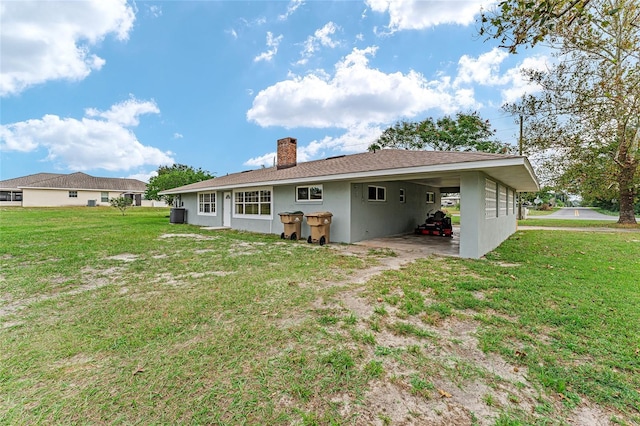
<point>60,197</point>
<point>482,231</point>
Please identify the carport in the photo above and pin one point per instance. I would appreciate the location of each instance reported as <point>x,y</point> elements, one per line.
<point>488,198</point>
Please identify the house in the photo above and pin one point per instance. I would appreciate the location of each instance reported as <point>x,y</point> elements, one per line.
<point>371,194</point>
<point>75,189</point>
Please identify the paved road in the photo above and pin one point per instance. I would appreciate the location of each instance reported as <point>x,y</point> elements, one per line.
<point>578,213</point>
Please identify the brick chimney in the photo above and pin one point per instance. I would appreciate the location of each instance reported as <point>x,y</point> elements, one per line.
<point>287,153</point>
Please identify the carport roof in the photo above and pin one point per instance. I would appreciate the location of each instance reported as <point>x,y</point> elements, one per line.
<point>438,168</point>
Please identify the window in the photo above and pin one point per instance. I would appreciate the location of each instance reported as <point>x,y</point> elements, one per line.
<point>502,200</point>
<point>402,196</point>
<point>431,197</point>
<point>207,203</point>
<point>309,193</point>
<point>377,193</point>
<point>73,194</point>
<point>104,197</point>
<point>490,206</point>
<point>253,203</point>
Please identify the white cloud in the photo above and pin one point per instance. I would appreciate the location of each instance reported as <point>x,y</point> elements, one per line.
<point>420,14</point>
<point>363,100</point>
<point>483,70</point>
<point>125,113</point>
<point>356,139</point>
<point>519,85</point>
<point>47,40</point>
<point>178,135</point>
<point>154,11</point>
<point>293,6</point>
<point>272,44</point>
<point>88,143</point>
<point>233,33</point>
<point>266,160</point>
<point>355,94</point>
<point>144,177</point>
<point>321,37</point>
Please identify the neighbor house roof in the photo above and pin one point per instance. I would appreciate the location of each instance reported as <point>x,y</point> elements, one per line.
<point>74,181</point>
<point>15,183</point>
<point>391,164</point>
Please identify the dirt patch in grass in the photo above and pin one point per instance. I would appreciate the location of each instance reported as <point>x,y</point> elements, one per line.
<point>124,257</point>
<point>588,414</point>
<point>470,386</point>
<point>93,279</point>
<point>192,236</point>
<point>388,403</point>
<point>459,339</point>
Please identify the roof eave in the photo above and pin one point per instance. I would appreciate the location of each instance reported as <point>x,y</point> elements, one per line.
<point>468,166</point>
<point>73,188</point>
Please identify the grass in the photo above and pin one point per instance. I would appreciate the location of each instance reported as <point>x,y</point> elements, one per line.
<point>200,329</point>
<point>566,307</point>
<point>130,320</point>
<point>571,223</point>
<point>536,212</point>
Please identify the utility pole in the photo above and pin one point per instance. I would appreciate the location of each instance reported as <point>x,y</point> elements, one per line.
<point>520,215</point>
<point>520,139</point>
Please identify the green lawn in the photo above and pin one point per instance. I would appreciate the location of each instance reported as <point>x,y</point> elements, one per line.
<point>131,320</point>
<point>572,223</point>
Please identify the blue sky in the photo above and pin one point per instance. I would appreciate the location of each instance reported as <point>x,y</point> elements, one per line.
<point>117,88</point>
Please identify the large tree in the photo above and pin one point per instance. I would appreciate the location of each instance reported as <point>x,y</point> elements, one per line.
<point>465,132</point>
<point>172,177</point>
<point>588,109</point>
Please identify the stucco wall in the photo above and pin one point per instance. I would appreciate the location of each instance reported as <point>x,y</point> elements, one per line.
<point>153,203</point>
<point>374,219</point>
<point>58,197</point>
<point>355,218</point>
<point>335,200</point>
<point>479,234</point>
<point>190,203</point>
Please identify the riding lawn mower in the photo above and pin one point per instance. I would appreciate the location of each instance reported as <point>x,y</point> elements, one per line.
<point>436,224</point>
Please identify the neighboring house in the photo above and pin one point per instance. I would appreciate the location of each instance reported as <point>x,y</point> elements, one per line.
<point>75,189</point>
<point>371,195</point>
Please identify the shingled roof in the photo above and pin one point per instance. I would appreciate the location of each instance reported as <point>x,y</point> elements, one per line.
<point>380,163</point>
<point>74,181</point>
<point>15,183</point>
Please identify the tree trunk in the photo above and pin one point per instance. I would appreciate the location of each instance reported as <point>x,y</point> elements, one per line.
<point>627,193</point>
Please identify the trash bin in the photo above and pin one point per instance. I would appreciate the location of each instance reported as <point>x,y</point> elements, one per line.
<point>177,215</point>
<point>292,225</point>
<point>319,223</point>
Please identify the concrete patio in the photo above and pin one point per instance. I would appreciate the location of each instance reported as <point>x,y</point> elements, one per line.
<point>424,245</point>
